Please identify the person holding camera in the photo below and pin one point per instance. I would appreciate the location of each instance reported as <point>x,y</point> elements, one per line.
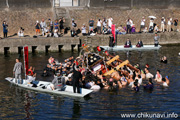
<point>37,26</point>
<point>21,32</point>
<point>5,29</point>
<point>74,28</point>
<point>61,25</point>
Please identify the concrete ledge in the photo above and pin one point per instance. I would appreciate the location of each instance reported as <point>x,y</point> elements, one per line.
<point>72,43</point>
<point>39,44</point>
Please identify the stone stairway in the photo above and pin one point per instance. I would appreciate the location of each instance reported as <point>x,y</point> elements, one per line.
<point>63,12</point>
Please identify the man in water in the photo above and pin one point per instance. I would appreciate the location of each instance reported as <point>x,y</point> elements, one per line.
<point>165,81</point>
<point>156,42</point>
<point>77,76</point>
<point>17,71</point>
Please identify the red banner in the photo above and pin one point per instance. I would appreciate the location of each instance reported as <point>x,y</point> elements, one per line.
<point>26,59</point>
<point>113,32</point>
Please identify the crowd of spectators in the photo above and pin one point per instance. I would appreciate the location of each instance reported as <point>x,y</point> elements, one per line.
<point>48,28</point>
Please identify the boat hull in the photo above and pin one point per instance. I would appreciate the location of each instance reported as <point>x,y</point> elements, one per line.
<point>145,47</point>
<point>67,92</point>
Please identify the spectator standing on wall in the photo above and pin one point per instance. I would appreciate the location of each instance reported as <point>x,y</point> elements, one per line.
<point>61,25</point>
<point>5,29</point>
<point>74,28</point>
<point>74,25</point>
<point>104,23</point>
<point>50,25</point>
<point>21,32</point>
<point>110,22</point>
<point>131,22</point>
<point>84,30</point>
<point>143,20</point>
<point>151,25</point>
<point>169,24</point>
<point>43,27</point>
<point>99,22</point>
<point>163,24</point>
<point>128,25</point>
<point>49,29</point>
<point>56,28</point>
<point>175,24</point>
<point>91,24</point>
<point>37,27</point>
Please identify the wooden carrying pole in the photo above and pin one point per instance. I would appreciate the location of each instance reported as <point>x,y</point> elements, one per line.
<point>112,60</point>
<point>129,65</point>
<point>116,68</point>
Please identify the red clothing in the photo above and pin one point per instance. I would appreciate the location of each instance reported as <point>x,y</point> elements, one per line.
<point>29,70</point>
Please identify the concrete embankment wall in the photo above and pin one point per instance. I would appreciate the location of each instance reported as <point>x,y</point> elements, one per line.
<point>148,39</point>
<point>24,13</point>
<point>24,18</point>
<point>12,45</point>
<point>20,4</point>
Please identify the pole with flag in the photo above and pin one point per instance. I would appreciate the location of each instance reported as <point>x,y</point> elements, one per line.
<point>114,33</point>
<point>25,52</point>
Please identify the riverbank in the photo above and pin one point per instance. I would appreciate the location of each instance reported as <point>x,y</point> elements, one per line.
<point>42,44</point>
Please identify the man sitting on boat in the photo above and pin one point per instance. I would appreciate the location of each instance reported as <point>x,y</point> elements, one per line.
<point>54,84</point>
<point>139,44</point>
<point>31,69</point>
<point>128,43</point>
<point>31,79</point>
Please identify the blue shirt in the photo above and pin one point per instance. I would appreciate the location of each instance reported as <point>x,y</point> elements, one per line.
<point>56,25</point>
<point>5,28</point>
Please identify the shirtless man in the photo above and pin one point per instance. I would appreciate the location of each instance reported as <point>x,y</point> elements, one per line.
<point>165,81</point>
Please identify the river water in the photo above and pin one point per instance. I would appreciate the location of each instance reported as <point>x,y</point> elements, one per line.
<point>17,103</point>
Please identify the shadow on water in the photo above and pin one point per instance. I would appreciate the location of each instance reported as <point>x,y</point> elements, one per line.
<point>76,110</point>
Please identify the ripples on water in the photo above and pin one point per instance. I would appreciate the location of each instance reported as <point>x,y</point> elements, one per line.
<point>17,103</point>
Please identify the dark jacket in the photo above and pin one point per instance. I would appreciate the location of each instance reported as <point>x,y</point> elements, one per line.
<point>140,44</point>
<point>5,30</point>
<point>129,43</point>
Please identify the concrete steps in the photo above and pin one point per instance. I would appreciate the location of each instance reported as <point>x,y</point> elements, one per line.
<point>63,12</point>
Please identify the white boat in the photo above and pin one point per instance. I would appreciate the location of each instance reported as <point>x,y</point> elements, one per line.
<point>43,87</point>
<point>145,47</point>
